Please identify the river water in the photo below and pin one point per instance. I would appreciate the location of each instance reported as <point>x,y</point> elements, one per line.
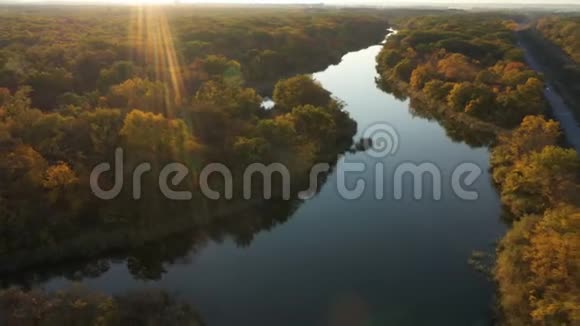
<point>350,262</point>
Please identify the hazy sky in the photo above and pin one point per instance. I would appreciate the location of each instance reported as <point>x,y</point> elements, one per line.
<point>352,2</point>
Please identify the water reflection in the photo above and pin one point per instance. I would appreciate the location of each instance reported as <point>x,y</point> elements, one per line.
<point>305,263</point>
<point>457,130</point>
<point>148,249</point>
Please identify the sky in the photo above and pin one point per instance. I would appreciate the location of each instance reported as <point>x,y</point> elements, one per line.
<point>459,4</point>
<point>350,2</point>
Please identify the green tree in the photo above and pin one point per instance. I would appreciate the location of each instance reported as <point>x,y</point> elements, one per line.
<point>314,123</point>
<point>299,90</point>
<point>156,138</point>
<point>251,150</point>
<point>119,72</point>
<point>404,69</point>
<point>542,179</point>
<point>103,127</point>
<point>437,90</point>
<point>140,94</point>
<point>420,76</point>
<point>193,49</point>
<point>280,132</point>
<point>461,95</point>
<point>48,85</point>
<point>236,101</point>
<point>221,68</point>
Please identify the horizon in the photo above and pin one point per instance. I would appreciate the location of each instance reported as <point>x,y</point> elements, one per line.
<point>289,162</point>
<point>448,3</point>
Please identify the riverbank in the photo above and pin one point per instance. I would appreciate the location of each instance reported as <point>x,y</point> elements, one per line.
<point>93,244</point>
<point>460,75</point>
<point>78,306</point>
<point>538,180</point>
<point>483,133</point>
<point>562,71</point>
<point>366,249</point>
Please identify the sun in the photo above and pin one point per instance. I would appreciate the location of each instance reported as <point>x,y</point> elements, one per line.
<point>145,2</point>
<point>153,42</point>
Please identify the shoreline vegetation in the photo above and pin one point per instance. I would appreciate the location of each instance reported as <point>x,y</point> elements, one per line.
<point>468,68</point>
<point>175,86</point>
<point>79,306</point>
<point>185,86</point>
<point>470,71</point>
<point>167,86</point>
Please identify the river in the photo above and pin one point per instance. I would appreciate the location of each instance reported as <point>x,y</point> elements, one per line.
<point>349,262</point>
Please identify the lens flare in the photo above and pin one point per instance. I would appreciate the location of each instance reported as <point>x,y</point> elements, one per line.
<point>152,42</point>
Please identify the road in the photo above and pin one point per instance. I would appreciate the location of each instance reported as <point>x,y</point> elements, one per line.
<point>560,109</point>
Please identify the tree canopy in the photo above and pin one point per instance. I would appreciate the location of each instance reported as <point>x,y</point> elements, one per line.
<point>473,69</point>
<point>77,84</point>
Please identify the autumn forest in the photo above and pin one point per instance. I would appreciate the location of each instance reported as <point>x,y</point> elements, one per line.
<point>295,86</point>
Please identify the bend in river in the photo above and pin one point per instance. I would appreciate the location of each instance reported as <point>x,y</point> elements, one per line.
<point>369,261</point>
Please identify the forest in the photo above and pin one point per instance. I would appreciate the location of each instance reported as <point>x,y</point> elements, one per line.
<point>462,69</point>
<point>80,306</point>
<point>452,67</point>
<point>166,85</point>
<point>555,39</point>
<point>539,183</point>
<point>563,31</point>
<point>170,84</point>
<point>74,56</point>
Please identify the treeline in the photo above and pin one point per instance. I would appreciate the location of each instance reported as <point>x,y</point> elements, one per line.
<point>74,56</point>
<point>47,157</point>
<point>470,65</point>
<point>563,31</point>
<point>461,68</point>
<point>75,85</point>
<point>537,264</point>
<point>79,306</point>
<point>555,42</point>
<point>146,251</point>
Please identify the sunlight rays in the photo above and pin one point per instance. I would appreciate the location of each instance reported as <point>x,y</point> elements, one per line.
<point>152,40</point>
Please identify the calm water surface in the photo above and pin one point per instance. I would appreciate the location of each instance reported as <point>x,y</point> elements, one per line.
<point>359,262</point>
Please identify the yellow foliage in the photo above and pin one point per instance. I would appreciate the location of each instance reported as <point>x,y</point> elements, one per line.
<point>154,134</point>
<point>59,176</point>
<point>510,24</point>
<point>141,94</point>
<point>542,179</point>
<point>533,134</point>
<point>538,269</point>
<point>24,166</point>
<point>457,67</point>
<point>420,76</point>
